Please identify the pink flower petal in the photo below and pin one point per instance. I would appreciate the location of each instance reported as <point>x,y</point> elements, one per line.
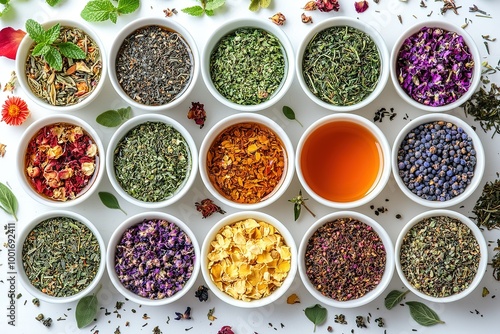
<point>361,6</point>
<point>9,41</point>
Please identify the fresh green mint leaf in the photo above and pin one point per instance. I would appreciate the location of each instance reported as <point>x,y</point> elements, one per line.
<point>113,118</point>
<point>110,201</point>
<point>8,201</point>
<point>53,58</point>
<point>53,2</point>
<point>254,5</point>
<point>113,16</point>
<point>52,34</point>
<point>214,4</point>
<point>98,10</point>
<point>127,6</point>
<point>40,49</point>
<point>209,12</point>
<point>265,3</point>
<point>394,298</point>
<point>71,50</point>
<point>6,7</point>
<point>194,10</point>
<point>35,31</point>
<point>423,314</point>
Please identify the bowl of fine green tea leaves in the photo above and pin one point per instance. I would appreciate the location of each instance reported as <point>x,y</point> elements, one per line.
<point>342,64</point>
<point>247,64</point>
<point>60,256</point>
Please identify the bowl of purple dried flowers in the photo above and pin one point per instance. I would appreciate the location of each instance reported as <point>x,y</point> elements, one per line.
<point>154,258</point>
<point>435,66</point>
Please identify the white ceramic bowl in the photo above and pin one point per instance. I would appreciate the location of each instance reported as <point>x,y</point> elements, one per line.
<point>229,220</point>
<point>169,24</point>
<point>34,291</point>
<point>226,29</point>
<point>389,264</point>
<point>482,262</point>
<point>22,54</point>
<point>111,252</point>
<point>27,136</point>
<point>264,121</point>
<point>363,27</point>
<point>476,76</point>
<point>478,170</point>
<point>122,131</point>
<point>382,146</point>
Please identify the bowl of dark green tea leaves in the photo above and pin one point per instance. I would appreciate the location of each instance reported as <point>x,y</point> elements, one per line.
<point>153,63</point>
<point>342,64</point>
<point>61,64</point>
<point>153,161</point>
<point>247,64</point>
<point>60,256</point>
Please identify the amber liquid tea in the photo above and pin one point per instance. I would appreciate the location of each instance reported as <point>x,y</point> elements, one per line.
<point>341,161</point>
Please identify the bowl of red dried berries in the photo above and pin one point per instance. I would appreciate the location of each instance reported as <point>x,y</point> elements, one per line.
<point>246,161</point>
<point>346,259</point>
<point>435,66</point>
<point>60,160</point>
<point>154,258</point>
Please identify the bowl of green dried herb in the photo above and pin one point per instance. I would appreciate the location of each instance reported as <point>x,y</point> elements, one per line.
<point>441,255</point>
<point>247,64</point>
<point>61,257</point>
<point>61,64</point>
<point>346,259</point>
<point>153,161</point>
<point>153,63</point>
<point>342,64</point>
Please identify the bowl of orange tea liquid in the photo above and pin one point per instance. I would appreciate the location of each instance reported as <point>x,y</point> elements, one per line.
<point>343,161</point>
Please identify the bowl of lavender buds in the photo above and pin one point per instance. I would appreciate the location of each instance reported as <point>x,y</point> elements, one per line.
<point>154,258</point>
<point>438,160</point>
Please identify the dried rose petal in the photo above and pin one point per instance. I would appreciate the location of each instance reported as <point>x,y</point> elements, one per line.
<point>197,112</point>
<point>361,6</point>
<point>328,5</point>
<point>15,111</point>
<point>278,19</point>
<point>207,207</point>
<point>225,330</point>
<point>9,41</point>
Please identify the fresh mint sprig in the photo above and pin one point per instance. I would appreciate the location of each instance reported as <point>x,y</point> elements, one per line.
<point>47,47</point>
<point>102,10</point>
<point>206,7</point>
<point>5,7</point>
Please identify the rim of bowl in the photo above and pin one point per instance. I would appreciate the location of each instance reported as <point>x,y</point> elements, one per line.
<point>388,271</point>
<point>384,148</point>
<point>21,55</point>
<point>247,118</point>
<point>145,22</point>
<point>229,27</point>
<point>21,154</point>
<point>478,169</point>
<point>480,240</point>
<point>236,217</point>
<point>123,130</point>
<point>115,238</point>
<point>476,76</point>
<point>19,247</point>
<point>377,39</point>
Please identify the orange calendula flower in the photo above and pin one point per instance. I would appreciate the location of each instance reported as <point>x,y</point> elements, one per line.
<point>15,111</point>
<point>9,41</point>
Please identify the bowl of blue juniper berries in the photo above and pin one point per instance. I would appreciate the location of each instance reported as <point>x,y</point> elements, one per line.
<point>154,258</point>
<point>438,160</point>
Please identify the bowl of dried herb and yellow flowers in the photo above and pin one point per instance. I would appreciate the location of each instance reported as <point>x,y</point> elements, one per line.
<point>249,259</point>
<point>60,160</point>
<point>441,255</point>
<point>247,64</point>
<point>246,161</point>
<point>153,63</point>
<point>152,161</point>
<point>61,64</point>
<point>61,257</point>
<point>346,259</point>
<point>154,258</point>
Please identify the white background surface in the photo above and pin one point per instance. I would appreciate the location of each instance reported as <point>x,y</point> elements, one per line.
<point>472,314</point>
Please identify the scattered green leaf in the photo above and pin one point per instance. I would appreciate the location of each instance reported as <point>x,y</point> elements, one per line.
<point>290,114</point>
<point>112,118</point>
<point>298,202</point>
<point>394,298</point>
<point>423,315</point>
<point>255,5</point>
<point>86,310</point>
<point>485,292</point>
<point>4,7</point>
<point>102,10</point>
<point>53,2</point>
<point>8,201</point>
<point>110,201</point>
<point>207,7</point>
<point>317,314</point>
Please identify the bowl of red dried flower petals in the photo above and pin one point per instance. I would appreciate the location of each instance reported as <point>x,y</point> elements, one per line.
<point>246,161</point>
<point>435,66</point>
<point>154,258</point>
<point>346,259</point>
<point>60,160</point>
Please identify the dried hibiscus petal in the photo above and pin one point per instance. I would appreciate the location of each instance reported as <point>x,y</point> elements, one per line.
<point>197,112</point>
<point>328,5</point>
<point>225,330</point>
<point>207,207</point>
<point>361,6</point>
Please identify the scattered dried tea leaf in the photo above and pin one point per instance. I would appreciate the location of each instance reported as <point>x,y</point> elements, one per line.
<point>3,148</point>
